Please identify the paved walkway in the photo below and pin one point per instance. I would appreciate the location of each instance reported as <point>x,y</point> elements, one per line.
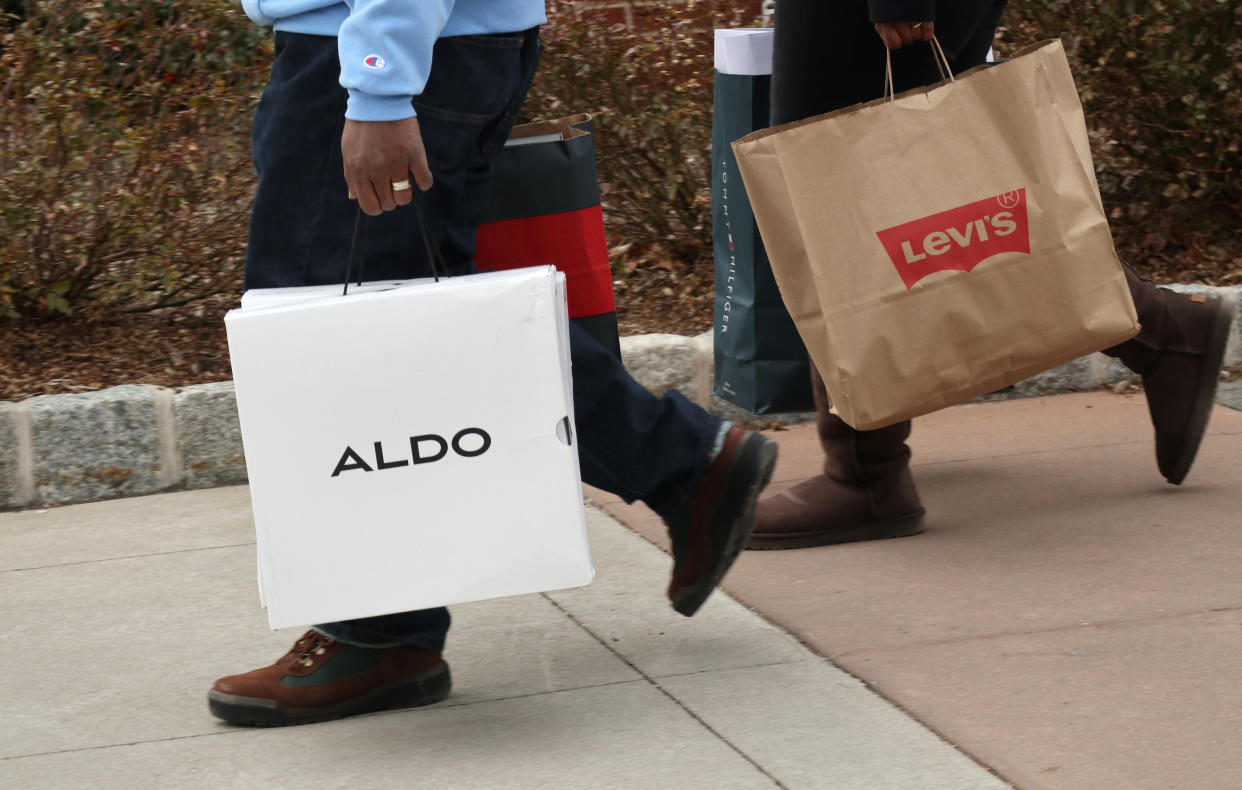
<point>1068,621</point>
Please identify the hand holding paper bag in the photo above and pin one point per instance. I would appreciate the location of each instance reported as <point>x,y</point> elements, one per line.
<point>918,287</point>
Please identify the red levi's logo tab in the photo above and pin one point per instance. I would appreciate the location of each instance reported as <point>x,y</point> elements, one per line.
<point>959,238</point>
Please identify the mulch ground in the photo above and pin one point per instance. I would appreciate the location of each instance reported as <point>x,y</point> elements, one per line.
<point>176,349</point>
<point>188,346</point>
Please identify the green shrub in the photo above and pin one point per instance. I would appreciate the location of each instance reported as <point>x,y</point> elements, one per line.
<point>125,178</point>
<point>124,167</point>
<point>1161,83</point>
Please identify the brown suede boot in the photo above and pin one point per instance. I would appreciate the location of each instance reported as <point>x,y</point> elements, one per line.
<point>709,531</point>
<point>865,493</point>
<point>320,679</point>
<point>1179,353</point>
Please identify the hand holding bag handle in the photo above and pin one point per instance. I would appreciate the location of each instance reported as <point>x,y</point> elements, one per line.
<point>942,63</point>
<point>433,254</point>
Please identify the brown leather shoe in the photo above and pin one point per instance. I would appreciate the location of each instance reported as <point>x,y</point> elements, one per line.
<point>865,493</point>
<point>709,531</point>
<point>1179,353</point>
<point>321,679</point>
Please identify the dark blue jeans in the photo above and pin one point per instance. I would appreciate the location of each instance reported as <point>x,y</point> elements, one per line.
<point>630,442</point>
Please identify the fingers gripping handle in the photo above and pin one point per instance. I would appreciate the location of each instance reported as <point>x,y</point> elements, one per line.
<point>435,259</point>
<point>942,63</point>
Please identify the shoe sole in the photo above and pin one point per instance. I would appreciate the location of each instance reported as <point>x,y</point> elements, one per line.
<point>875,530</point>
<point>756,457</point>
<point>259,712</point>
<point>1201,411</point>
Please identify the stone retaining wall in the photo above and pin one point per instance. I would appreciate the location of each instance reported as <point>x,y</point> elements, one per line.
<point>135,439</point>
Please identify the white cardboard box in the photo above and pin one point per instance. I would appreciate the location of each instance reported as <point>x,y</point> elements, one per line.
<point>354,517</point>
<point>745,50</point>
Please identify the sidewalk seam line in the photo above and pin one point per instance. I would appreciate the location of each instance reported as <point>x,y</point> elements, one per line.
<point>685,708</point>
<point>871,687</point>
<point>806,645</point>
<point>814,658</point>
<point>126,557</point>
<point>1052,450</point>
<point>1011,634</point>
<point>449,704</point>
<point>240,731</point>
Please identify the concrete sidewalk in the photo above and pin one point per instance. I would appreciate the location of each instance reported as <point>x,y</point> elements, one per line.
<point>119,615</point>
<point>1067,621</point>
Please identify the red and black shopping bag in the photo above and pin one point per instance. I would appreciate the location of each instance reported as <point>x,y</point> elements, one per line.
<point>545,209</point>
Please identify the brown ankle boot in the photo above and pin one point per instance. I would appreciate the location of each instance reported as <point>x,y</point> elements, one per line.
<point>1179,353</point>
<point>710,530</point>
<point>321,679</point>
<point>865,493</point>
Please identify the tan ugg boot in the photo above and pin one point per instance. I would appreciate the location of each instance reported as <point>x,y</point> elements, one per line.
<point>865,493</point>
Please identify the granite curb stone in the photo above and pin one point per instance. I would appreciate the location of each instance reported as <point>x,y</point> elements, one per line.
<point>208,435</point>
<point>133,440</point>
<point>1229,393</point>
<point>662,362</point>
<point>96,445</point>
<point>9,454</point>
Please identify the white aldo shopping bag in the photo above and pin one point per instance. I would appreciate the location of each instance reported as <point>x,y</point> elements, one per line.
<point>409,444</point>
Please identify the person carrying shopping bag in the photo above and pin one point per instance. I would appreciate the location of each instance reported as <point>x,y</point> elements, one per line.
<point>831,56</point>
<point>371,102</point>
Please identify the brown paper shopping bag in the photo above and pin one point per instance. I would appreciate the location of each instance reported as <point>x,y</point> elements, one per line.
<point>943,243</point>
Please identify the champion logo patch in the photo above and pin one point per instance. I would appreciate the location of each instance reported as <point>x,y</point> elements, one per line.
<point>960,238</point>
<point>374,62</point>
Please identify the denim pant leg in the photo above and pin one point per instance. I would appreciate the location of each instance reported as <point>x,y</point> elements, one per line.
<point>631,443</point>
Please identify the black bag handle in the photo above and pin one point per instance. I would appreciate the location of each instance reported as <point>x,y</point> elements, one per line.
<point>434,255</point>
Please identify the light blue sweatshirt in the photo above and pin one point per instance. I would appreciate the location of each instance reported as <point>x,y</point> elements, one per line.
<point>385,45</point>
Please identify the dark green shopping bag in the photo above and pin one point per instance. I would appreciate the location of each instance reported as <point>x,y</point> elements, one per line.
<point>760,362</point>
